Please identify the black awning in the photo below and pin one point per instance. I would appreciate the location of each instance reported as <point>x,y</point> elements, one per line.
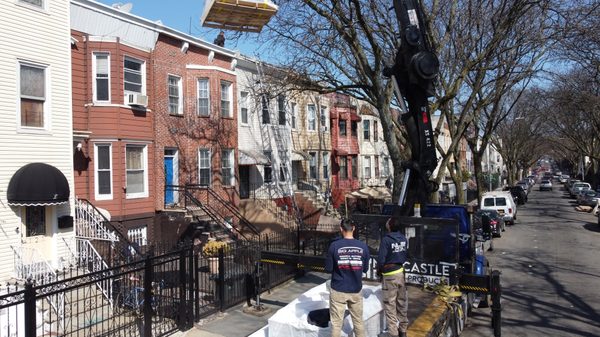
<point>38,184</point>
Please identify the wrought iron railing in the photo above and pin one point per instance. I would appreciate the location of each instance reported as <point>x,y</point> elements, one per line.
<point>90,223</point>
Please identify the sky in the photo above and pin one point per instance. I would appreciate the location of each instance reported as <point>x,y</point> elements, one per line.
<point>182,15</point>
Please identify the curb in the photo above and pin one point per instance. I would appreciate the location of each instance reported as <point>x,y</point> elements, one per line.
<point>430,320</point>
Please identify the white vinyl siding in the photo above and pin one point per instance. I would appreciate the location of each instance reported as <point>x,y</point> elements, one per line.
<point>204,167</point>
<point>203,97</point>
<point>101,76</point>
<point>136,168</point>
<point>103,171</point>
<point>33,107</point>
<point>175,95</point>
<point>227,167</point>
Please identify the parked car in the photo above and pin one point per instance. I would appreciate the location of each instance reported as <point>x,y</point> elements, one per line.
<point>563,178</point>
<point>502,202</point>
<point>518,193</point>
<point>588,198</point>
<point>577,187</point>
<point>545,185</point>
<point>525,185</point>
<point>493,218</point>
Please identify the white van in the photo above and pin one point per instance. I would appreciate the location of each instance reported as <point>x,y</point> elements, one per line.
<point>501,202</point>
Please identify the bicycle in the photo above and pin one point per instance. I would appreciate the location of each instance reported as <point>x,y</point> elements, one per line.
<point>131,298</point>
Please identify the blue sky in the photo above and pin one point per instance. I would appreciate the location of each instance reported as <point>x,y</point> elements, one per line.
<point>182,15</point>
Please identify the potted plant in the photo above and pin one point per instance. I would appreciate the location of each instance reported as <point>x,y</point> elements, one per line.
<point>211,251</point>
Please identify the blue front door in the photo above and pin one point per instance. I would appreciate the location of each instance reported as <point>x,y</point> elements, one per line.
<point>169,192</point>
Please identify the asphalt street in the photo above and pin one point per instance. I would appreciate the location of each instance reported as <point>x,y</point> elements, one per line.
<point>550,264</point>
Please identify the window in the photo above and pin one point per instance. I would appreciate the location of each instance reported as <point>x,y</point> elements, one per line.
<point>324,121</point>
<point>135,167</point>
<point>36,3</point>
<point>282,171</point>
<point>138,235</point>
<point>281,109</point>
<point>244,107</point>
<point>343,167</point>
<point>354,163</point>
<point>354,128</point>
<point>375,131</point>
<point>204,173</point>
<point>33,95</point>
<point>101,73</point>
<point>386,166</point>
<point>376,166</point>
<point>268,169</point>
<point>35,220</point>
<point>311,117</point>
<point>134,76</point>
<point>103,168</point>
<point>488,202</point>
<point>203,97</point>
<point>366,131</point>
<point>294,115</point>
<point>367,166</point>
<point>342,127</point>
<point>266,118</point>
<point>226,99</point>
<point>175,98</point>
<point>312,165</point>
<point>325,165</point>
<point>227,167</point>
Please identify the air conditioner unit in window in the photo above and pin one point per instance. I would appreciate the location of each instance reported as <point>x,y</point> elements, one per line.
<point>136,100</point>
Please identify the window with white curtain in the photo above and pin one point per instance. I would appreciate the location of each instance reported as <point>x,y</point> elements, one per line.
<point>226,106</point>
<point>136,171</point>
<point>33,95</point>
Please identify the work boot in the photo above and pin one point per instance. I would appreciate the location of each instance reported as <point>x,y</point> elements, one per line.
<point>401,333</point>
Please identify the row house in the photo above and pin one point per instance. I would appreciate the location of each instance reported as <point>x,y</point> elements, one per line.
<point>36,175</point>
<point>154,109</point>
<point>345,147</point>
<point>374,155</point>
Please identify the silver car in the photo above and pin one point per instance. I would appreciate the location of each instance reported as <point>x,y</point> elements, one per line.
<point>545,185</point>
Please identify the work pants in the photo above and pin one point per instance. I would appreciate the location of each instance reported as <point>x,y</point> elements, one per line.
<point>395,303</point>
<point>337,308</point>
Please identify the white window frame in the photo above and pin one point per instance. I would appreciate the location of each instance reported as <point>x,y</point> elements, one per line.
<point>142,74</point>
<point>202,97</point>
<point>179,94</point>
<point>281,110</point>
<point>227,98</point>
<point>95,76</point>
<point>324,117</point>
<point>367,167</point>
<point>244,100</point>
<point>386,166</point>
<point>42,6</point>
<point>294,108</point>
<point>368,129</point>
<point>97,194</point>
<point>144,193</point>
<point>313,162</point>
<point>200,167</point>
<point>228,153</point>
<point>325,163</point>
<point>311,109</point>
<point>46,105</point>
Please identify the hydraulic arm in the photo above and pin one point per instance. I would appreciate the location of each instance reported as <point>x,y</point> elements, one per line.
<point>413,73</point>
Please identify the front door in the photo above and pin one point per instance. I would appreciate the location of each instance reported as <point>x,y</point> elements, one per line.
<point>170,176</point>
<point>244,182</point>
<point>36,235</point>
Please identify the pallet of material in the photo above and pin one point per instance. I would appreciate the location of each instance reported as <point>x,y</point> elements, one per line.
<point>241,15</point>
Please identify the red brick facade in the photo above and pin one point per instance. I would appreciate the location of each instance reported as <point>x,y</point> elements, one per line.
<point>188,132</point>
<point>344,147</point>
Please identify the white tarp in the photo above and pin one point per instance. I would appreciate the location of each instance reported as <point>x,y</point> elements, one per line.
<point>291,320</point>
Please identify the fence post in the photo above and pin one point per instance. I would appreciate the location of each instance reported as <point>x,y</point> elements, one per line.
<point>182,290</point>
<point>221,279</point>
<point>496,291</point>
<point>192,290</point>
<point>195,256</point>
<point>147,297</point>
<point>29,305</point>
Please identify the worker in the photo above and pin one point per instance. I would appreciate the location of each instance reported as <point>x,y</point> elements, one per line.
<point>393,252</point>
<point>347,259</point>
<point>220,39</point>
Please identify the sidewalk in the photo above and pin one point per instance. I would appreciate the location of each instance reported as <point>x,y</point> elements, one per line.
<point>423,311</point>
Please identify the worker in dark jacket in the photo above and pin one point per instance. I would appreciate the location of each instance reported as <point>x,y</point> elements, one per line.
<point>393,252</point>
<point>347,259</point>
